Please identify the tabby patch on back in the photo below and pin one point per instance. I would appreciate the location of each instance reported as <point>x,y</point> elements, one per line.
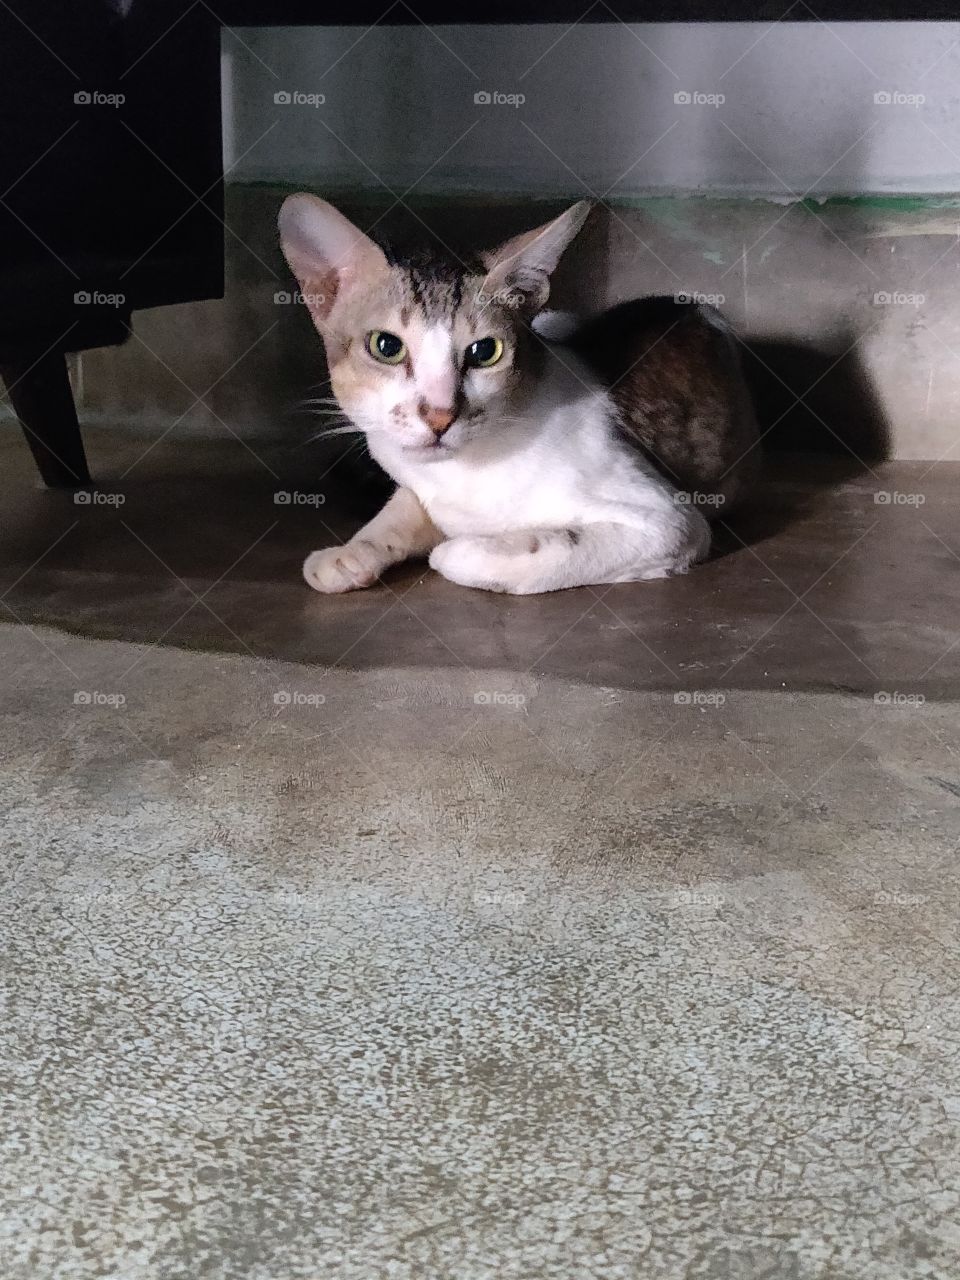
<point>522,464</point>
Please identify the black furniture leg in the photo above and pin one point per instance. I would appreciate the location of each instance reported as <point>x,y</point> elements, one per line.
<point>42,398</point>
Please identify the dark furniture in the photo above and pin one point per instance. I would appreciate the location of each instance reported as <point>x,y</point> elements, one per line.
<point>110,161</point>
<point>110,190</point>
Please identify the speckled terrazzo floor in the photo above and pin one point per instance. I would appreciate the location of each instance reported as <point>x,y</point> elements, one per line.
<point>473,969</point>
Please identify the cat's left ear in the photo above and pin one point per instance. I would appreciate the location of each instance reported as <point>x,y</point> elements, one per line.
<point>523,265</point>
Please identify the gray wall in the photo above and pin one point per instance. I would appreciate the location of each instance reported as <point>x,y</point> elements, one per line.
<point>600,116</point>
<point>855,304</point>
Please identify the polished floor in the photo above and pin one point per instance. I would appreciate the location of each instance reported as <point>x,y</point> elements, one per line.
<point>430,933</point>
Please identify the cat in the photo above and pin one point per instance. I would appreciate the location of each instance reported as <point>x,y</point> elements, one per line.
<point>522,464</point>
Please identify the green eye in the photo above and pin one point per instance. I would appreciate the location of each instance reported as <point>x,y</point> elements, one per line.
<point>386,347</point>
<point>483,353</point>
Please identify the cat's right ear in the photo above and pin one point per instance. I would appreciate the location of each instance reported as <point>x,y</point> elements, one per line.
<point>525,264</point>
<point>326,252</point>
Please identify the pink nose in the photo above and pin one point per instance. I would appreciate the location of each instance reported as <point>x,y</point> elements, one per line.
<point>436,419</point>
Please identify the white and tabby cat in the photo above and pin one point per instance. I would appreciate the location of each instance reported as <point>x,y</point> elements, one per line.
<point>521,466</point>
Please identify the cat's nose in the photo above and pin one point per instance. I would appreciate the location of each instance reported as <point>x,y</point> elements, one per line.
<point>438,420</point>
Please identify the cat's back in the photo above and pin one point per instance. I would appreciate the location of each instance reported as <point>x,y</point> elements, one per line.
<point>673,371</point>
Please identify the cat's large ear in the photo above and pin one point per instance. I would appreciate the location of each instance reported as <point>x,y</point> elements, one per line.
<point>326,252</point>
<point>523,265</point>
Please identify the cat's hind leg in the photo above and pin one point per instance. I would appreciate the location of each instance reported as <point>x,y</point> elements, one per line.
<point>533,560</point>
<point>400,530</point>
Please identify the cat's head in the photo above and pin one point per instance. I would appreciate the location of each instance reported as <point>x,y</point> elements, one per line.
<point>422,351</point>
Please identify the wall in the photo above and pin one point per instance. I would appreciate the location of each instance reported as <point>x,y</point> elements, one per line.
<point>852,309</point>
<point>798,111</point>
<point>851,306</point>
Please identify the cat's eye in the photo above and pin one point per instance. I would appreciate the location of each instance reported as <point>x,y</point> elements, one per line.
<point>483,353</point>
<point>386,347</point>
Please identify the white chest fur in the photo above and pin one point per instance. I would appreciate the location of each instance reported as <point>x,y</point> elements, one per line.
<point>557,465</point>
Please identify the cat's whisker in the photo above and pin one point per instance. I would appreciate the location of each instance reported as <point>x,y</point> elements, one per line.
<point>333,431</point>
<point>333,411</point>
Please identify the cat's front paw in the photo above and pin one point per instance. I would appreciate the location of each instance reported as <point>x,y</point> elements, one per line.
<point>500,563</point>
<point>348,568</point>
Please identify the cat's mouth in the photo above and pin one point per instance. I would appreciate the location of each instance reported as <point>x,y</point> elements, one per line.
<point>429,448</point>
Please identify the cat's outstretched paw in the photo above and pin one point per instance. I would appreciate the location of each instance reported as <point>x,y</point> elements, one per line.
<point>348,568</point>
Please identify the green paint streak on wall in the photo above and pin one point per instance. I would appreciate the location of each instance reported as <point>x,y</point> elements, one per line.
<point>666,207</point>
<point>894,204</point>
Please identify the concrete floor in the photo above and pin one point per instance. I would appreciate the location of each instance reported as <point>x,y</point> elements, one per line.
<point>427,933</point>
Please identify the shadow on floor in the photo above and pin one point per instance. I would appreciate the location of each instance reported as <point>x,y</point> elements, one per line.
<point>811,401</point>
<point>199,543</point>
<point>808,402</point>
